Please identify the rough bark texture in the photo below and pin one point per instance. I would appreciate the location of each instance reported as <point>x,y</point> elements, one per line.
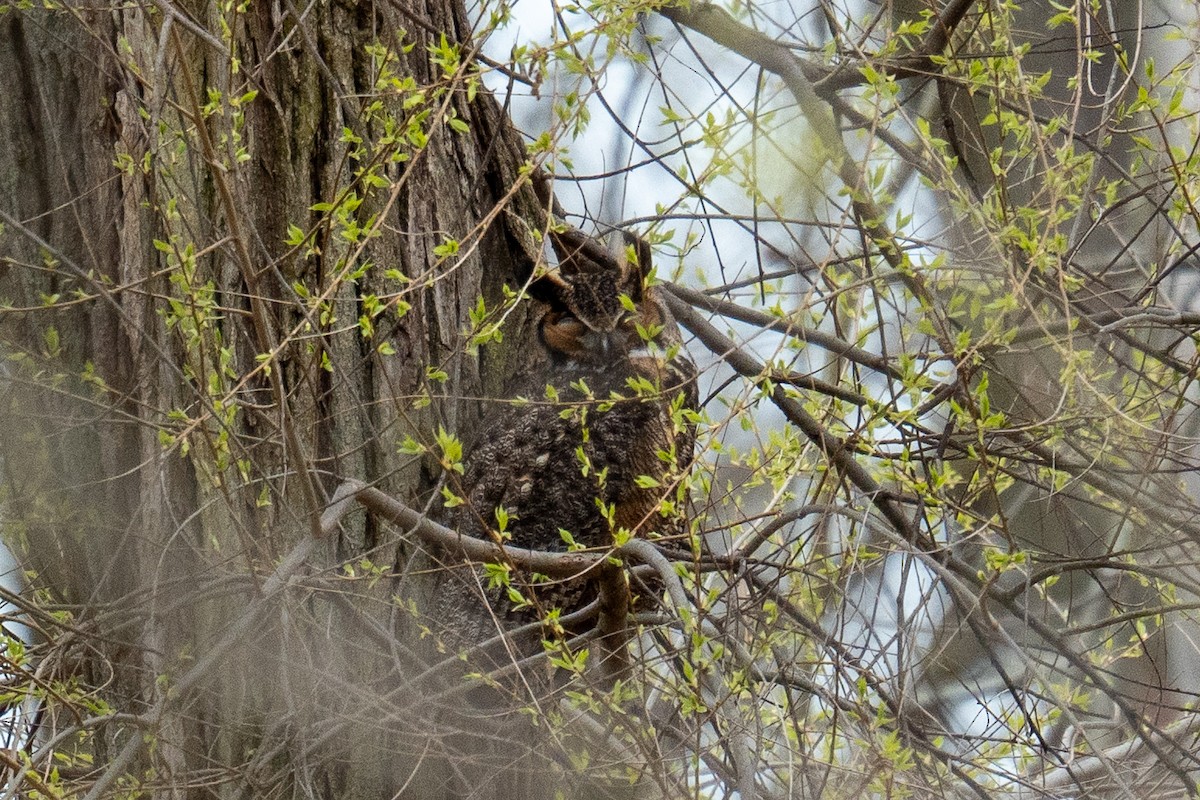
<point>150,480</point>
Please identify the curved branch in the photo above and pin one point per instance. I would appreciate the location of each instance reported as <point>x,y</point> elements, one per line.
<point>553,564</point>
<point>612,629</point>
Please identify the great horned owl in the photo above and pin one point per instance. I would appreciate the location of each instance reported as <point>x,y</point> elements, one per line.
<point>598,443</point>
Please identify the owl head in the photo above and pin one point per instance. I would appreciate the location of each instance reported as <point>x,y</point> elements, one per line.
<point>601,311</point>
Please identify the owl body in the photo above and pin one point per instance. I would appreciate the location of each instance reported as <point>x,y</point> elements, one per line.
<point>546,462</point>
<point>597,442</point>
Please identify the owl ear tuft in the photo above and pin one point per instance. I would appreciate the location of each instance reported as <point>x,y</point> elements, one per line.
<point>578,253</point>
<point>552,289</point>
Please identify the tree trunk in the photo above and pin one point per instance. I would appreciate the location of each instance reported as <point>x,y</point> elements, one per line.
<point>226,287</point>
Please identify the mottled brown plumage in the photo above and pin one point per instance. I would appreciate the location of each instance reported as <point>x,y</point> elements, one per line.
<point>602,440</point>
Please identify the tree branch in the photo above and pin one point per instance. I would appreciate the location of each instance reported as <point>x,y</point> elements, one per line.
<point>832,447</point>
<point>554,564</point>
<point>766,321</point>
<point>758,48</point>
